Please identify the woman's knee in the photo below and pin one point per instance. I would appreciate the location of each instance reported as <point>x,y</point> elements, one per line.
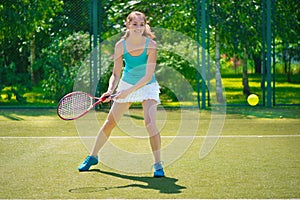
<point>109,124</point>
<point>151,128</point>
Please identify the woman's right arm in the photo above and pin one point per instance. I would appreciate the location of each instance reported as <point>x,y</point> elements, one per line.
<point>118,65</point>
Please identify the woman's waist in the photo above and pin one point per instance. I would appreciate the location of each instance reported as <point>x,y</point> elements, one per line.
<point>134,78</point>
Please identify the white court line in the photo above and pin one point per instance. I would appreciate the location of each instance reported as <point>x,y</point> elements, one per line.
<point>145,137</point>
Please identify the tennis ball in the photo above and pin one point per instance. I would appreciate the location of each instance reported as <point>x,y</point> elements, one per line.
<point>252,99</point>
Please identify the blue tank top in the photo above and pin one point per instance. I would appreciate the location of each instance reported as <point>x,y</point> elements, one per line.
<point>135,66</point>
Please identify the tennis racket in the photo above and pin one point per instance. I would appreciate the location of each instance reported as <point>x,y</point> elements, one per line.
<point>76,104</point>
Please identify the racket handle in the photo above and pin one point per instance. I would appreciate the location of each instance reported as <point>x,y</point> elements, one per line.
<point>111,96</point>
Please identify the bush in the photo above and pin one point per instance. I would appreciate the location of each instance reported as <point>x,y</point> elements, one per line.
<point>13,83</point>
<point>61,61</point>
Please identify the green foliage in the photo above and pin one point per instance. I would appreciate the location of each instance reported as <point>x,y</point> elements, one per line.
<point>39,31</point>
<point>239,25</point>
<point>21,19</point>
<point>23,22</point>
<point>181,70</point>
<point>13,83</point>
<point>61,61</point>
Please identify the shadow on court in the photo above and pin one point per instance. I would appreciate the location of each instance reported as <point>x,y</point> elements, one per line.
<point>12,117</point>
<point>165,185</point>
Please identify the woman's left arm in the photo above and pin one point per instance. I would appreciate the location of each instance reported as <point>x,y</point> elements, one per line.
<point>150,69</point>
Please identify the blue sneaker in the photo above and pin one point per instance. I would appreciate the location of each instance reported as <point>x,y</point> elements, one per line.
<point>89,161</point>
<point>158,170</point>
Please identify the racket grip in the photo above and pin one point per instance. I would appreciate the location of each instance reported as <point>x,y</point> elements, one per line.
<point>111,96</point>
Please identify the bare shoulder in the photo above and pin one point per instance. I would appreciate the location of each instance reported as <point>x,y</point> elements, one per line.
<point>119,46</point>
<point>152,44</point>
<point>152,47</point>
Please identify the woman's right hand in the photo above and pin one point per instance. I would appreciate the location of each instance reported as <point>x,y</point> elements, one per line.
<point>107,97</point>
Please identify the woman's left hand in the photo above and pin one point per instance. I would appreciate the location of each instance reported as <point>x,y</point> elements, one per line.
<point>122,94</point>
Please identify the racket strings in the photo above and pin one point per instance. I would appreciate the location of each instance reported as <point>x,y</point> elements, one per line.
<point>75,105</point>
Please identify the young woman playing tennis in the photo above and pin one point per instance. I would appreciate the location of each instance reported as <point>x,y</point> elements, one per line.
<point>137,84</point>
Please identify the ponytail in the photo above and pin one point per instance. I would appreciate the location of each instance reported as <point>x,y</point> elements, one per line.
<point>148,33</point>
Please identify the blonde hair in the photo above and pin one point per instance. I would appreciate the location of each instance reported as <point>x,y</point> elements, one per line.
<point>147,32</point>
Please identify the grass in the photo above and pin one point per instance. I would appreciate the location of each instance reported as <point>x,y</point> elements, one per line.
<point>34,98</point>
<point>257,157</point>
<point>285,93</point>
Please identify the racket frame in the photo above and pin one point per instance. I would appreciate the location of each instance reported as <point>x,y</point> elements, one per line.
<point>99,100</point>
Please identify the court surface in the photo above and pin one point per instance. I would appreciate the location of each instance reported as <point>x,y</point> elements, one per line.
<point>257,155</point>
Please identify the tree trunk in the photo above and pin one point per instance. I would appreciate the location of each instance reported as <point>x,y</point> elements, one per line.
<point>285,57</point>
<point>257,63</point>
<point>219,90</point>
<point>289,80</point>
<point>246,89</point>
<point>32,60</point>
<point>287,62</point>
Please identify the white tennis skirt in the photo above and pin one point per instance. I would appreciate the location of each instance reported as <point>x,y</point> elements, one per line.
<point>149,91</point>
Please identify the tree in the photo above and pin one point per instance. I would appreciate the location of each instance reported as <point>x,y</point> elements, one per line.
<point>61,62</point>
<point>287,23</point>
<point>21,22</point>
<point>236,26</point>
<point>217,21</point>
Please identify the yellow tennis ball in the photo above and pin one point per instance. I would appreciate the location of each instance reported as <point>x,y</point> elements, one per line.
<point>252,99</point>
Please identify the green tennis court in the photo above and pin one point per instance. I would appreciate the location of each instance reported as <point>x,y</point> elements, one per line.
<point>257,156</point>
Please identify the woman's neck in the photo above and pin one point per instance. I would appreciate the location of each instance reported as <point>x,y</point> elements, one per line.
<point>136,40</point>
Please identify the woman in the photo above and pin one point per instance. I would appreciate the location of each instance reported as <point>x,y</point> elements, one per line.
<point>138,84</point>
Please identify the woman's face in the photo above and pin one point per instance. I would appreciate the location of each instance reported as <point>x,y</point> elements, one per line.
<point>137,26</point>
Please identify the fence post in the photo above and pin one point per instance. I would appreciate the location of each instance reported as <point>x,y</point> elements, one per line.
<point>203,39</point>
<point>208,77</point>
<point>274,48</point>
<point>198,52</point>
<point>263,56</point>
<point>269,51</point>
<point>95,44</point>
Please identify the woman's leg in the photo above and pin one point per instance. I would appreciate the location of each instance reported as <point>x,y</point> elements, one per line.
<point>115,114</point>
<point>113,117</point>
<point>150,108</point>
